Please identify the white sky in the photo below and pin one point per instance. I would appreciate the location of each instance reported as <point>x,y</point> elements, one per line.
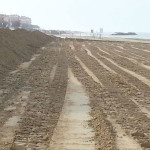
<point>83,15</point>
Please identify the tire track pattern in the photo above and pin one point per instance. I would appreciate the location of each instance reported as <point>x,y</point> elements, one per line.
<point>46,101</point>
<point>117,102</point>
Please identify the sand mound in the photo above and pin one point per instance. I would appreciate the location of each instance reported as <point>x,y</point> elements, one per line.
<point>18,46</point>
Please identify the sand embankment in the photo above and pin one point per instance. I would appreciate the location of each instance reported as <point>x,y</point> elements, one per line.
<point>18,46</point>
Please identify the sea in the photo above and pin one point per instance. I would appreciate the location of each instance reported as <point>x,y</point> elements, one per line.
<point>140,35</point>
<point>144,36</point>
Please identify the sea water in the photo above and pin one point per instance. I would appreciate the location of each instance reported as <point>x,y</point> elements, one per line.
<point>140,35</point>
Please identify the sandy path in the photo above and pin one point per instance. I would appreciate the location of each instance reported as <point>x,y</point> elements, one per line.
<point>72,131</point>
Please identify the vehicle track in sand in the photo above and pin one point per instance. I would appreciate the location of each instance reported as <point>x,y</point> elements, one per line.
<point>15,103</point>
<point>141,107</point>
<point>139,52</point>
<point>140,49</point>
<point>125,51</point>
<point>89,72</point>
<point>72,131</point>
<point>123,141</point>
<point>100,62</point>
<point>139,77</point>
<point>46,101</point>
<point>133,65</point>
<point>82,55</point>
<point>135,60</point>
<point>78,94</point>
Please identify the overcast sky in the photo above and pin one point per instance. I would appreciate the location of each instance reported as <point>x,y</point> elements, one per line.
<point>83,15</point>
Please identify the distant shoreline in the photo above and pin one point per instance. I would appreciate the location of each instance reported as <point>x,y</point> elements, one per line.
<point>113,39</point>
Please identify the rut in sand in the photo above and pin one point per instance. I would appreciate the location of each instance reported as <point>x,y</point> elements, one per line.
<point>72,131</point>
<point>139,77</point>
<point>100,62</point>
<point>89,72</point>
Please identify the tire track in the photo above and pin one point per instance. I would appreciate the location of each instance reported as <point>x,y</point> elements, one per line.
<point>15,101</point>
<point>72,131</point>
<point>139,77</point>
<point>103,132</point>
<point>135,56</point>
<point>100,62</point>
<point>119,101</point>
<point>130,59</point>
<point>103,51</point>
<point>129,101</point>
<point>7,132</point>
<point>52,74</point>
<point>124,141</point>
<point>129,53</point>
<point>138,63</point>
<point>136,51</point>
<point>140,49</point>
<point>131,63</point>
<point>46,100</point>
<point>143,109</point>
<point>124,138</point>
<point>89,72</point>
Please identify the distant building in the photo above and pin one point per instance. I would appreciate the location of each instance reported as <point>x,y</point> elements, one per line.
<point>14,17</point>
<point>15,21</point>
<point>7,18</point>
<point>25,20</point>
<point>3,21</point>
<point>1,16</point>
